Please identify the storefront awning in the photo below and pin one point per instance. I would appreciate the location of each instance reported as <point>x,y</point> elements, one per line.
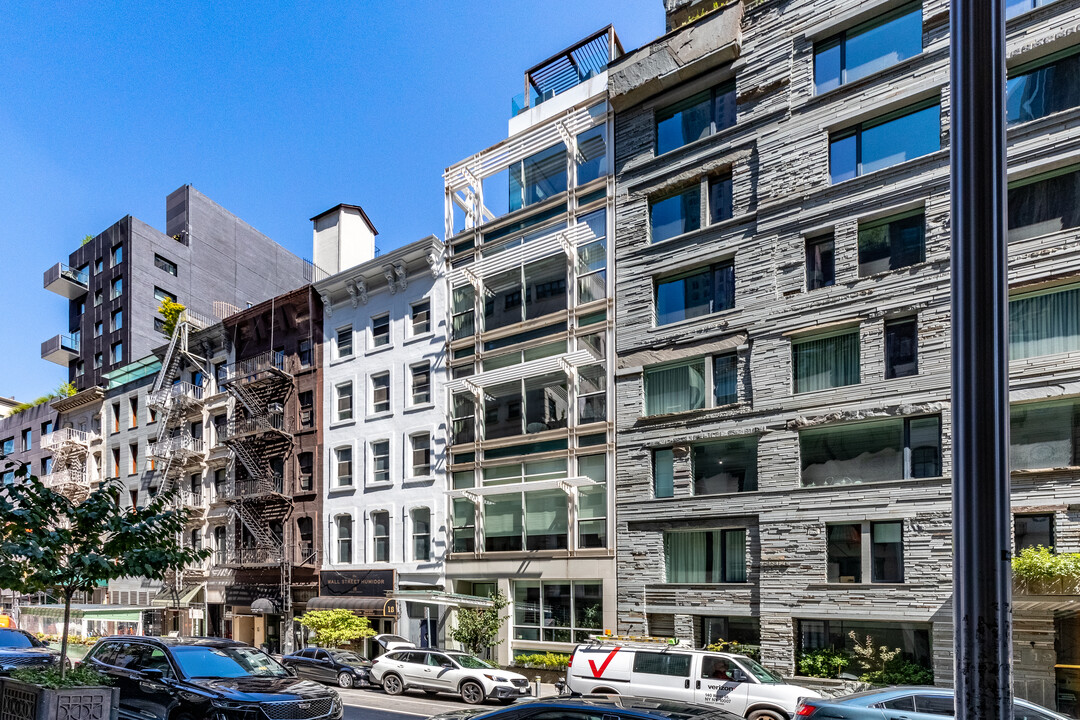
<point>172,598</point>
<point>438,597</point>
<point>368,606</point>
<point>112,613</point>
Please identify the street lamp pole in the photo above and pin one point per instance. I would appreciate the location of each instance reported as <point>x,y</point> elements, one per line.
<point>982,592</point>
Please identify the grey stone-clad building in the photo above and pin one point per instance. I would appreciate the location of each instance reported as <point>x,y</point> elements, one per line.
<point>782,245</point>
<point>115,282</point>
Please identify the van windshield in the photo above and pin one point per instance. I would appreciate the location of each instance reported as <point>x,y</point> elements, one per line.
<point>762,675</point>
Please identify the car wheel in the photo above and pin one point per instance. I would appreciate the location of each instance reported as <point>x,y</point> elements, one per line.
<point>765,715</point>
<point>345,680</point>
<point>392,684</point>
<point>472,693</point>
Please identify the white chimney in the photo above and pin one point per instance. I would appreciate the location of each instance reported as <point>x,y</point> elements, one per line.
<point>343,237</point>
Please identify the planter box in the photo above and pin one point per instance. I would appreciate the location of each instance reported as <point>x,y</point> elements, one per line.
<point>23,701</point>
<point>1046,586</point>
<point>546,676</point>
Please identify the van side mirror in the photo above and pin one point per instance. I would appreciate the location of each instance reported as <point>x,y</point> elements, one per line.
<point>738,675</point>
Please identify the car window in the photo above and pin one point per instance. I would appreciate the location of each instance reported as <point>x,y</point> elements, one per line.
<point>17,639</point>
<point>439,660</point>
<point>1026,712</point>
<point>322,655</point>
<point>656,663</point>
<point>934,704</point>
<point>306,653</point>
<point>756,670</point>
<point>226,662</point>
<point>153,658</point>
<point>105,652</point>
<point>127,656</point>
<point>716,668</point>
<point>472,663</point>
<point>347,658</point>
<point>907,702</point>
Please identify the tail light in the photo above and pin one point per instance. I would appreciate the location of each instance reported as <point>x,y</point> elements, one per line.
<point>570,662</point>
<point>805,711</point>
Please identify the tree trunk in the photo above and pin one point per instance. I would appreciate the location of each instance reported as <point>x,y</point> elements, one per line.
<point>64,638</point>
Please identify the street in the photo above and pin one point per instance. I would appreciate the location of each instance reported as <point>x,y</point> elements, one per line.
<point>363,704</point>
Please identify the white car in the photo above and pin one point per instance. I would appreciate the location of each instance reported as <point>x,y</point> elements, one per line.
<point>735,683</point>
<point>435,671</point>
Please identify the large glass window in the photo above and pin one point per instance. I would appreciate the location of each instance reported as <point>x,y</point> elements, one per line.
<point>705,556</point>
<point>844,553</point>
<point>913,639</point>
<point>819,363</point>
<point>1044,323</point>
<point>1032,531</point>
<point>675,214</point>
<point>344,535</point>
<point>663,473</point>
<point>525,293</point>
<point>889,449</point>
<point>592,155</point>
<point>503,523</point>
<point>463,407</point>
<point>592,394</point>
<point>675,388</point>
<point>558,611</point>
<point>380,535</point>
<point>1044,204</point>
<point>546,520</point>
<point>1048,86</point>
<point>463,312</point>
<point>725,466</point>
<point>592,502</point>
<point>820,262</point>
<point>1044,435</point>
<point>892,243</point>
<point>592,258</point>
<point>696,293</point>
<point>538,177</point>
<point>421,534</point>
<point>531,405</point>
<point>464,525</point>
<point>885,141</point>
<point>695,117</point>
<point>901,348</point>
<point>725,379</point>
<point>867,48</point>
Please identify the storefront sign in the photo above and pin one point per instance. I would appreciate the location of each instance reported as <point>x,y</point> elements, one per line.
<point>362,583</point>
<point>247,594</point>
<point>196,613</point>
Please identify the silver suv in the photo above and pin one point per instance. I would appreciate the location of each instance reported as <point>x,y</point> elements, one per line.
<point>435,671</point>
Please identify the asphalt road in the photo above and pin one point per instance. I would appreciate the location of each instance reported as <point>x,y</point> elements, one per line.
<point>362,704</point>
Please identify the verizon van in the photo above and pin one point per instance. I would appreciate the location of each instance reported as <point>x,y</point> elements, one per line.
<point>656,668</point>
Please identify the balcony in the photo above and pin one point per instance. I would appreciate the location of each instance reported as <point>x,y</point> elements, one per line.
<point>182,394</point>
<point>259,367</point>
<point>67,281</point>
<point>69,482</point>
<point>567,69</point>
<point>250,487</point>
<point>60,349</point>
<point>247,556</point>
<point>182,447</point>
<point>240,427</point>
<point>68,437</point>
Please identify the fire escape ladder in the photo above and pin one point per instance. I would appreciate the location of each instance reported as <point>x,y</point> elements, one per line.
<point>259,471</point>
<point>264,538</point>
<point>171,362</point>
<point>247,398</point>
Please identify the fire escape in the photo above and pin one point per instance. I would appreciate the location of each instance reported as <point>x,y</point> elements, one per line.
<point>70,449</point>
<point>261,444</point>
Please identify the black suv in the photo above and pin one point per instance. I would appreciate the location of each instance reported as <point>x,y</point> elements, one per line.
<point>206,679</point>
<point>20,649</point>
<point>594,707</point>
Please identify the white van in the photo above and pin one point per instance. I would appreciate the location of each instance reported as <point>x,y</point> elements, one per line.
<point>672,671</point>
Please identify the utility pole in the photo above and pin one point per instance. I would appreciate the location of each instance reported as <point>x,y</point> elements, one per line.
<point>982,577</point>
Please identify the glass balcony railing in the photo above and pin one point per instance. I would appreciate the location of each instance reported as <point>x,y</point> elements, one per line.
<point>67,281</point>
<point>60,349</point>
<point>567,69</point>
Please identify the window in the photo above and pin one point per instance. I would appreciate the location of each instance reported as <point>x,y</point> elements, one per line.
<point>27,440</point>
<point>721,199</point>
<point>99,328</point>
<point>117,255</point>
<point>116,464</point>
<point>675,388</point>
<point>344,342</point>
<point>463,417</point>
<point>592,502</point>
<point>303,351</point>
<point>344,539</point>
<point>676,214</point>
<point>99,296</point>
<point>1016,7</point>
<point>524,519</point>
<point>705,556</point>
<point>80,368</point>
<point>880,143</point>
<point>344,400</point>
<point>901,348</point>
<point>7,446</point>
<point>1044,204</point>
<point>134,452</point>
<point>867,48</point>
<point>1044,87</point>
<point>854,453</point>
<point>1044,323</point>
<point>159,325</point>
<point>421,318</point>
<point>663,473</point>
<point>80,307</point>
<point>306,404</point>
<point>45,466</point>
<point>592,155</point>
<point>117,287</point>
<point>380,461</point>
<point>305,465</point>
<point>725,466</point>
<point>532,405</point>
<point>380,392</point>
<point>421,534</point>
<point>163,295</point>
<point>825,362</point>
<point>99,265</point>
<point>697,293</point>
<point>116,417</point>
<point>725,379</point>
<point>46,427</point>
<point>464,525</point>
<point>892,243</point>
<point>913,639</point>
<point>887,552</point>
<point>695,117</point>
<point>97,360</point>
<point>844,553</point>
<point>592,258</point>
<point>592,394</point>
<point>164,264</point>
<point>1044,435</point>
<point>526,292</point>
<point>421,384</point>
<point>117,320</point>
<point>464,310</point>
<point>117,353</point>
<point>343,466</point>
<point>133,409</point>
<point>1033,531</point>
<point>558,611</point>
<point>380,331</point>
<point>380,531</point>
<point>420,445</point>
<point>537,177</point>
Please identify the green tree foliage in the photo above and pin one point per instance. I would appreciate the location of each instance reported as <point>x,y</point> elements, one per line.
<point>49,543</point>
<point>65,390</point>
<point>478,628</point>
<point>171,311</point>
<point>899,671</point>
<point>87,239</point>
<point>873,658</point>
<point>1043,563</point>
<point>333,628</point>
<point>543,661</point>
<point>823,663</point>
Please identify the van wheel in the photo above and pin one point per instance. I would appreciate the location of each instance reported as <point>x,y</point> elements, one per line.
<point>766,715</point>
<point>392,685</point>
<point>604,691</point>
<point>472,693</point>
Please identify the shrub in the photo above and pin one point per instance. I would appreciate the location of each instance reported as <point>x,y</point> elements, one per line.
<point>823,663</point>
<point>543,661</point>
<point>899,671</point>
<point>1043,563</point>
<point>734,646</point>
<point>80,676</point>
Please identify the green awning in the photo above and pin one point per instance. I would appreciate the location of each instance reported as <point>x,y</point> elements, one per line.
<point>171,598</point>
<point>113,613</point>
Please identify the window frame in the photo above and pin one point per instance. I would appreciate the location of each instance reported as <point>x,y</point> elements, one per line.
<point>343,480</point>
<point>377,385</point>
<point>345,332</point>
<point>857,130</point>
<point>381,339</point>
<point>344,393</point>
<point>841,39</point>
<point>422,469</point>
<point>718,297</point>
<point>380,553</point>
<point>420,307</point>
<point>418,372</point>
<point>165,265</point>
<point>811,244</point>
<point>340,522</point>
<point>891,370</point>
<point>1049,516</point>
<point>906,449</point>
<point>797,341</point>
<point>724,576</point>
<point>669,111</point>
<point>374,457</point>
<point>708,375</point>
<point>415,536</point>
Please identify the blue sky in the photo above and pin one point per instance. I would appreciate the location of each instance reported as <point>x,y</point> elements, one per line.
<point>276,112</point>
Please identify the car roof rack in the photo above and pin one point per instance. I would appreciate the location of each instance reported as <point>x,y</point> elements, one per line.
<point>642,641</point>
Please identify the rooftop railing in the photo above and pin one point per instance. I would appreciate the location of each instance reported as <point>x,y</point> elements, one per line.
<point>569,68</point>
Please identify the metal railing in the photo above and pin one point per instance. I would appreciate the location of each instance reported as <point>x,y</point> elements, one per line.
<point>250,487</point>
<point>247,426</point>
<point>81,277</point>
<point>253,556</point>
<point>178,391</point>
<point>193,499</point>
<point>254,366</point>
<point>61,478</point>
<point>56,438</point>
<point>182,444</point>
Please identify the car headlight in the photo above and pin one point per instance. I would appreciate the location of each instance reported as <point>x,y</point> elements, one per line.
<point>233,705</point>
<point>495,678</point>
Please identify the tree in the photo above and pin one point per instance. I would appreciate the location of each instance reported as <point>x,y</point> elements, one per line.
<point>336,627</point>
<point>48,543</point>
<point>171,311</point>
<point>478,628</point>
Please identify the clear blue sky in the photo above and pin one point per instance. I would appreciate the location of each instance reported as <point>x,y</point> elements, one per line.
<point>276,112</point>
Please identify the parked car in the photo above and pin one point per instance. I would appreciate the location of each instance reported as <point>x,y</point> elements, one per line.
<point>206,679</point>
<point>343,667</point>
<point>593,708</point>
<point>908,703</point>
<point>392,642</point>
<point>19,649</point>
<point>435,671</point>
<point>732,682</point>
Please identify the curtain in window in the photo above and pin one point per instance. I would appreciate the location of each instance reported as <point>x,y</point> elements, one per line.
<point>826,362</point>
<point>735,556</point>
<point>502,522</point>
<point>663,473</point>
<point>1044,324</point>
<point>674,389</point>
<point>692,557</point>
<point>1041,435</point>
